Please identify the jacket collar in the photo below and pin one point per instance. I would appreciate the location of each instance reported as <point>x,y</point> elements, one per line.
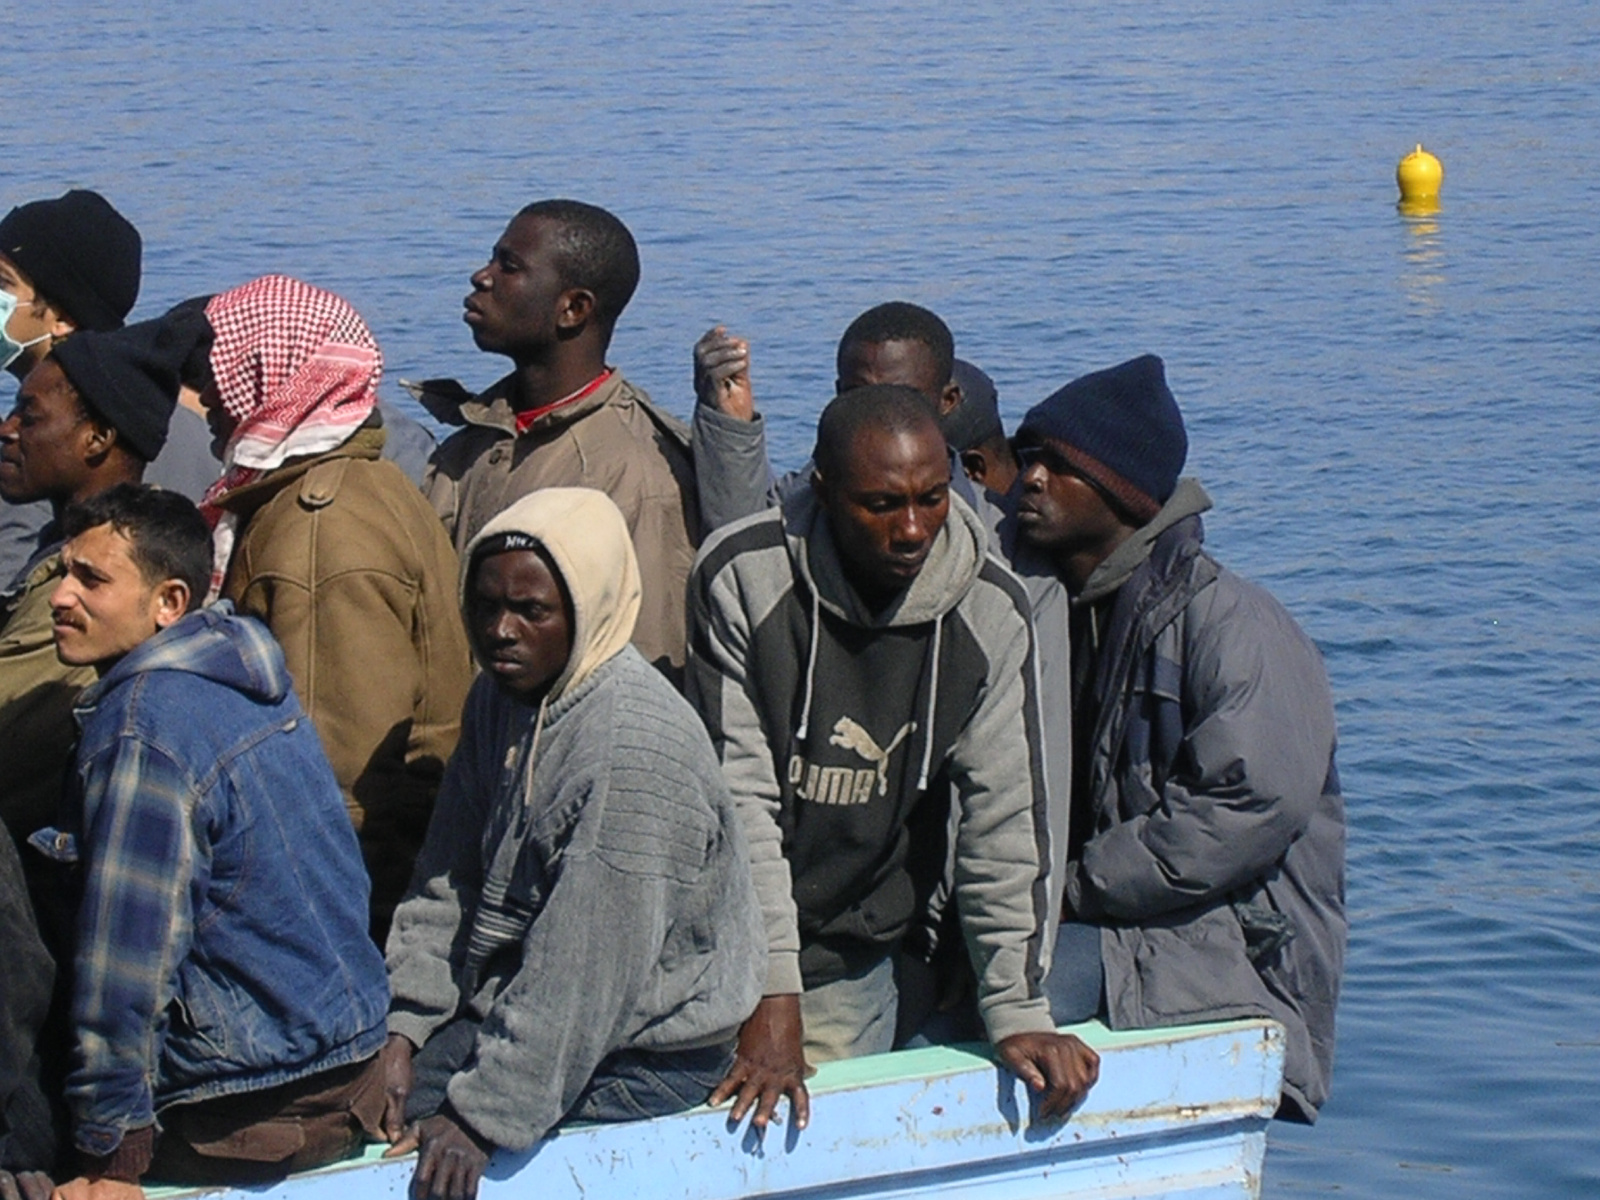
<point>366,443</point>
<point>491,408</point>
<point>1171,572</point>
<point>1188,499</point>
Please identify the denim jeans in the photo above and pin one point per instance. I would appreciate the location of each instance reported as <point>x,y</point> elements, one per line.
<point>1077,980</point>
<point>27,1133</point>
<point>628,1085</point>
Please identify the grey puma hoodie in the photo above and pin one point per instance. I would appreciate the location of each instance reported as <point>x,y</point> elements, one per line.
<point>841,733</point>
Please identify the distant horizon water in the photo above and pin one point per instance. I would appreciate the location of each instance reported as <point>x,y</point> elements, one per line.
<point>1395,414</point>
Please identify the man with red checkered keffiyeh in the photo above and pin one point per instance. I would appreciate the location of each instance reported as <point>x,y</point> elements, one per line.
<point>336,550</point>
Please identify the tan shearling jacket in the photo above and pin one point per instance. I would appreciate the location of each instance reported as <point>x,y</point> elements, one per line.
<point>614,440</point>
<point>346,563</point>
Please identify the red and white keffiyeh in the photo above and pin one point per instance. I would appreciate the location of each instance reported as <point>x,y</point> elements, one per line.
<point>298,369</point>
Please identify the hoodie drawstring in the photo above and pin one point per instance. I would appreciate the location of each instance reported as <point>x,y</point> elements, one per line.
<point>811,665</point>
<point>532,758</point>
<point>933,700</point>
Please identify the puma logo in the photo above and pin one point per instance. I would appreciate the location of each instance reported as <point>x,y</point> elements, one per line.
<point>850,736</point>
<point>848,785</point>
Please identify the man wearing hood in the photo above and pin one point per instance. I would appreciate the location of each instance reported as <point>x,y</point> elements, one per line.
<point>856,654</point>
<point>202,810</point>
<point>1206,860</point>
<point>581,938</point>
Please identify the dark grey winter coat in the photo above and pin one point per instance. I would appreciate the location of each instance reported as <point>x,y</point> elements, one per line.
<point>1215,802</point>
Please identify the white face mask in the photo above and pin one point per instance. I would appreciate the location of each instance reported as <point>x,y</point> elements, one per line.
<point>9,347</point>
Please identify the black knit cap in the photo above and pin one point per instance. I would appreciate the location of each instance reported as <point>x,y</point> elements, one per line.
<point>80,253</point>
<point>129,377</point>
<point>977,418</point>
<point>1122,429</point>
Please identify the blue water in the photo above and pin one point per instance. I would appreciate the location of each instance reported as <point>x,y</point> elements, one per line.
<point>1395,415</point>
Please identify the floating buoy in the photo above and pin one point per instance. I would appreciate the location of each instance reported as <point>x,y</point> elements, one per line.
<point>1419,176</point>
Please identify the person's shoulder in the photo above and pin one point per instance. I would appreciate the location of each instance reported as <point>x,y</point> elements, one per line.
<point>998,581</point>
<point>997,605</point>
<point>643,696</point>
<point>1237,613</point>
<point>631,395</point>
<point>659,763</point>
<point>381,517</point>
<point>637,712</point>
<point>628,433</point>
<point>749,542</point>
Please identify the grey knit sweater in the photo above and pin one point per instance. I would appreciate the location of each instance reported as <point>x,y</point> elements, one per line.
<point>599,900</point>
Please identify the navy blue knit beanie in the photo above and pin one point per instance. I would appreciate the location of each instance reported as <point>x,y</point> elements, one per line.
<point>129,376</point>
<point>1121,428</point>
<point>80,253</point>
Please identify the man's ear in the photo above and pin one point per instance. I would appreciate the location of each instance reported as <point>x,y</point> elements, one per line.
<point>574,309</point>
<point>950,399</point>
<point>99,436</point>
<point>171,601</point>
<point>60,325</point>
<point>975,465</point>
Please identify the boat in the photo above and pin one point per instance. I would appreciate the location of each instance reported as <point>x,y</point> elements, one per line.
<point>1178,1112</point>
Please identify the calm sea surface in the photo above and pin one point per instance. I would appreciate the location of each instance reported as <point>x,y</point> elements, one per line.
<point>1396,416</point>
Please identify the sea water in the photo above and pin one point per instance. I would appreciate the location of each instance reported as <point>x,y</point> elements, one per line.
<point>1395,415</point>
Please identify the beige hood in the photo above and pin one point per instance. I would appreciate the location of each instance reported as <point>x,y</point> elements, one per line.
<point>587,539</point>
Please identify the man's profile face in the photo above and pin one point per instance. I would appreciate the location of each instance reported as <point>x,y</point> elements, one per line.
<point>103,607</point>
<point>43,441</point>
<point>516,295</point>
<point>521,621</point>
<point>1058,509</point>
<point>889,503</point>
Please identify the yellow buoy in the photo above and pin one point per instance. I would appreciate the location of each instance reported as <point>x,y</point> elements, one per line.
<point>1419,175</point>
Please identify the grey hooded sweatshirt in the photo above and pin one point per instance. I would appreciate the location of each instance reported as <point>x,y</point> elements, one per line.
<point>584,886</point>
<point>842,732</point>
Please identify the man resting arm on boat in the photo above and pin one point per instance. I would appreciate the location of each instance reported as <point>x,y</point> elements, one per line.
<point>1206,879</point>
<point>227,1003</point>
<point>581,938</point>
<point>855,655</point>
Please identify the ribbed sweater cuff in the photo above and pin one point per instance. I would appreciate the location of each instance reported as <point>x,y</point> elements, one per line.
<point>127,1163</point>
<point>783,973</point>
<point>413,1028</point>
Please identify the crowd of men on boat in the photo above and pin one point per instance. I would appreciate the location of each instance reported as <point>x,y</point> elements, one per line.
<point>580,767</point>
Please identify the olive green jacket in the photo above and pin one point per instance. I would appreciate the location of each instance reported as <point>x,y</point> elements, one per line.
<point>37,730</point>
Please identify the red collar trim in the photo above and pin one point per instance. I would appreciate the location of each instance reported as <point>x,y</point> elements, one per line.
<point>525,420</point>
